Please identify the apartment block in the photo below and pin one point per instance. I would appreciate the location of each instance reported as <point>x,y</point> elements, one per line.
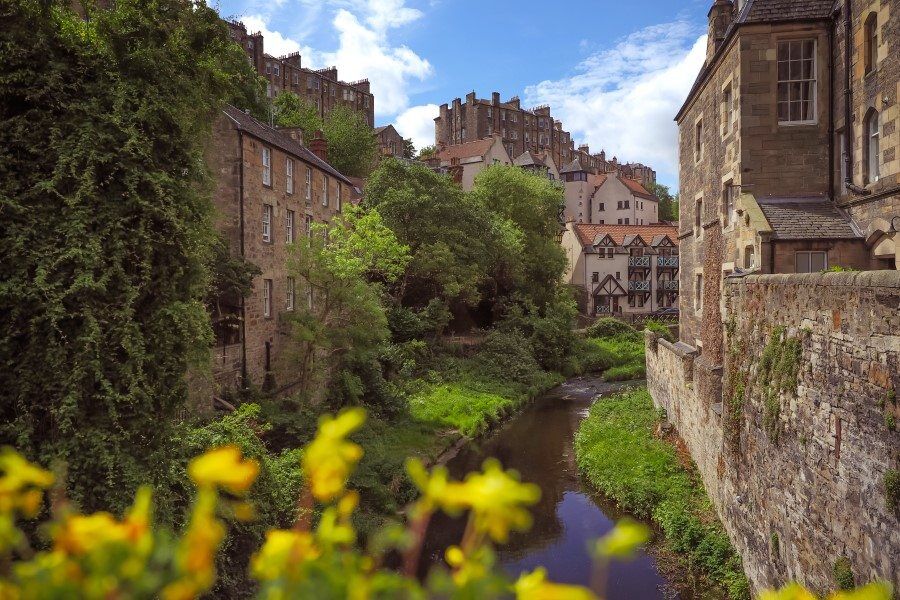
<point>606,198</point>
<point>321,87</point>
<point>269,191</point>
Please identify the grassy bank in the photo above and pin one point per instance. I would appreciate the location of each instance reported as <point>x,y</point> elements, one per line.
<point>617,450</point>
<point>615,349</point>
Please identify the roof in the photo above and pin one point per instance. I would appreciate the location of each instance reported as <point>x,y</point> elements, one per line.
<point>755,12</point>
<point>806,218</point>
<point>378,130</point>
<point>637,189</point>
<point>261,131</point>
<point>573,167</point>
<point>529,159</point>
<point>468,150</point>
<point>588,232</point>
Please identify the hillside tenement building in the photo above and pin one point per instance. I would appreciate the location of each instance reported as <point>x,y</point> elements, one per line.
<point>320,87</point>
<point>269,190</point>
<point>522,130</point>
<point>606,198</point>
<point>784,383</point>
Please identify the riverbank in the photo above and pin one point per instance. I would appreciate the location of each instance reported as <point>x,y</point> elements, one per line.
<point>618,452</point>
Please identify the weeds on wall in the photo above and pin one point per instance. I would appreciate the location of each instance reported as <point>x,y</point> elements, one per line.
<point>777,374</point>
<point>843,574</point>
<point>735,389</point>
<point>892,489</point>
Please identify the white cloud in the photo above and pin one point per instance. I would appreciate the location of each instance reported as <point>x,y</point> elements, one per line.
<point>623,99</point>
<point>274,42</point>
<point>417,123</point>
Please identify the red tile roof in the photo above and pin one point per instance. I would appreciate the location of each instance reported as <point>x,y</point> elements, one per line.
<point>467,150</point>
<point>588,232</point>
<point>637,189</point>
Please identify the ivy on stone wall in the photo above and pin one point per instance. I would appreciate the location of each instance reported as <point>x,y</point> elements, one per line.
<point>777,375</point>
<point>104,198</point>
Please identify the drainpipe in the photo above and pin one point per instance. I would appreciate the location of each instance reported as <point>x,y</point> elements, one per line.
<point>244,378</point>
<point>848,101</point>
<point>831,149</point>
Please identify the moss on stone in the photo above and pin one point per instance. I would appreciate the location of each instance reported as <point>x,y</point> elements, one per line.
<point>843,574</point>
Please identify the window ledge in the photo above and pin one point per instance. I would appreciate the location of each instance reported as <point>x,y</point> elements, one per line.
<point>798,123</point>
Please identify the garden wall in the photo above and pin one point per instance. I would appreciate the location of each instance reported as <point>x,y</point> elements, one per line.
<point>794,433</point>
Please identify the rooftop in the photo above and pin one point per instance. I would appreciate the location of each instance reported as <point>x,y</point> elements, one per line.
<point>806,218</point>
<point>588,232</point>
<point>477,148</point>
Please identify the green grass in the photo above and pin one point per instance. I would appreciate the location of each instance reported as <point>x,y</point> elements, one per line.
<point>617,451</point>
<point>459,406</point>
<point>620,358</point>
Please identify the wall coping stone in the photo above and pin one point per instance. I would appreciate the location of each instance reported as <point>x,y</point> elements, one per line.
<point>860,279</point>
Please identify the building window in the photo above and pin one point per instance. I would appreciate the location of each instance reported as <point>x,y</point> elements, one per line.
<point>291,291</point>
<point>872,145</point>
<point>749,257</point>
<point>289,175</point>
<point>267,166</point>
<point>340,191</point>
<point>698,141</point>
<point>601,206</point>
<point>324,190</point>
<point>728,199</point>
<point>277,70</point>
<point>267,223</point>
<point>842,157</point>
<point>727,110</point>
<point>308,226</point>
<point>308,184</point>
<point>698,218</point>
<point>698,293</point>
<point>810,262</point>
<point>871,37</point>
<point>595,277</point>
<point>797,81</point>
<point>267,298</point>
<point>289,227</point>
<point>627,221</point>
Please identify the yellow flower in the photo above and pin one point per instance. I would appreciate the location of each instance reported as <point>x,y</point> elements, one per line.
<point>330,458</point>
<point>82,534</point>
<point>793,591</point>
<point>225,468</point>
<point>196,552</point>
<point>878,590</point>
<point>282,552</point>
<point>21,484</point>
<point>625,538</point>
<point>497,498</point>
<point>534,586</point>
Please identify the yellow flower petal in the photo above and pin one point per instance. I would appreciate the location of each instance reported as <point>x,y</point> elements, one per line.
<point>225,468</point>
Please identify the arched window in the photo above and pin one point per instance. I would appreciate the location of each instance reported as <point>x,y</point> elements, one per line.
<point>872,131</point>
<point>871,42</point>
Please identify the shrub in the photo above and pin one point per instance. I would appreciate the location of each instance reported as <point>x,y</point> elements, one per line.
<point>661,328</point>
<point>506,356</point>
<point>892,489</point>
<point>627,372</point>
<point>608,327</point>
<point>843,574</point>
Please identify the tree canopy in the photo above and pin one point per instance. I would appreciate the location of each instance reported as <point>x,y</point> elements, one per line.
<point>668,204</point>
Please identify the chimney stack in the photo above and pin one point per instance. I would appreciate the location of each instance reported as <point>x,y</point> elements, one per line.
<point>720,16</point>
<point>495,98</point>
<point>319,146</point>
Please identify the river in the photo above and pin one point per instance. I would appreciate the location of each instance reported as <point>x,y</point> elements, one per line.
<point>538,443</point>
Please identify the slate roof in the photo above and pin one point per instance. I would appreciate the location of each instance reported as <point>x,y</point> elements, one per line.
<point>588,232</point>
<point>807,219</point>
<point>378,130</point>
<point>529,159</point>
<point>280,140</point>
<point>573,167</point>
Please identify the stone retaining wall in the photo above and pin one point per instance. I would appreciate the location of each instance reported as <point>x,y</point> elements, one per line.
<point>798,481</point>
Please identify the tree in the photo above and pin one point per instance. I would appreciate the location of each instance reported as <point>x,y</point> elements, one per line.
<point>351,146</point>
<point>427,152</point>
<point>290,110</point>
<point>341,268</point>
<point>409,149</point>
<point>668,204</point>
<point>530,203</point>
<point>105,204</point>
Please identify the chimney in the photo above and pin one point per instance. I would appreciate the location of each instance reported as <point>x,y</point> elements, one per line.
<point>319,146</point>
<point>720,16</point>
<point>495,98</point>
<point>470,98</point>
<point>295,133</point>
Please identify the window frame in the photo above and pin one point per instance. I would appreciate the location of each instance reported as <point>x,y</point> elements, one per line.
<point>308,185</point>
<point>267,166</point>
<point>870,43</point>
<point>324,190</point>
<point>289,175</point>
<point>289,221</point>
<point>872,139</point>
<point>291,294</point>
<point>789,81</point>
<point>268,213</point>
<point>268,289</point>
<point>809,254</point>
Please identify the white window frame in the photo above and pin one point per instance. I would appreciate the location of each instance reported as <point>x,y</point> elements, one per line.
<point>291,293</point>
<point>289,175</point>
<point>789,81</point>
<point>308,184</point>
<point>308,226</point>
<point>267,223</point>
<point>289,227</point>
<point>267,166</point>
<point>808,254</point>
<point>267,298</point>
<point>324,190</point>
<point>872,140</point>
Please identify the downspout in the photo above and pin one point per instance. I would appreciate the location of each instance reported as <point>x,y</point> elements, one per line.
<point>848,101</point>
<point>244,378</point>
<point>831,132</point>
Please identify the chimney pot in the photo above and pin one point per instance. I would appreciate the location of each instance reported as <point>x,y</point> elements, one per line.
<point>319,146</point>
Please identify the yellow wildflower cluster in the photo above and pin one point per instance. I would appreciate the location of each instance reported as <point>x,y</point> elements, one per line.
<point>22,488</point>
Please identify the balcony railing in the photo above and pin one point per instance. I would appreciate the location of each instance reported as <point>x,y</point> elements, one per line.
<point>639,262</point>
<point>669,285</point>
<point>639,286</point>
<point>667,262</point>
<point>603,310</point>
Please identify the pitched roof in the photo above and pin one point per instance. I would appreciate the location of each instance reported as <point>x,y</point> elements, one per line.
<point>806,218</point>
<point>754,12</point>
<point>529,159</point>
<point>637,189</point>
<point>597,179</point>
<point>276,138</point>
<point>588,232</point>
<point>378,130</point>
<point>573,167</point>
<point>468,150</point>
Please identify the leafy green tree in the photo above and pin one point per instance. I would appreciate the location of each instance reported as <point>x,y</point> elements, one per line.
<point>341,315</point>
<point>668,204</point>
<point>427,152</point>
<point>409,149</point>
<point>530,203</point>
<point>106,228</point>
<point>290,110</point>
<point>351,146</point>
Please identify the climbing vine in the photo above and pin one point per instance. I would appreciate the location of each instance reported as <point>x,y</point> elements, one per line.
<point>735,388</point>
<point>777,375</point>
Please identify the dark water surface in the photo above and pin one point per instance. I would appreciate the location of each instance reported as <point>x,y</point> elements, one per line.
<point>538,443</point>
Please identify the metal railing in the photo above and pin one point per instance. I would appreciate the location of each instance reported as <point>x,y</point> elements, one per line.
<point>639,286</point>
<point>667,262</point>
<point>669,285</point>
<point>602,310</point>
<point>639,261</point>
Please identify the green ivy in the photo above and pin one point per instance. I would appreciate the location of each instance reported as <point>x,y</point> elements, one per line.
<point>843,574</point>
<point>778,368</point>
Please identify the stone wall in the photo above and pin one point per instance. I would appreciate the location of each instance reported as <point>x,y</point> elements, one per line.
<point>797,480</point>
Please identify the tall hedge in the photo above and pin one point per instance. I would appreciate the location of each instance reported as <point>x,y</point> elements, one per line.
<point>104,228</point>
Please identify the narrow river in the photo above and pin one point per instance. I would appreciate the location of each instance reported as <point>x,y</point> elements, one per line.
<point>538,443</point>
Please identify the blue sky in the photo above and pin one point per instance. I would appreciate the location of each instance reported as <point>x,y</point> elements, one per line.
<point>614,72</point>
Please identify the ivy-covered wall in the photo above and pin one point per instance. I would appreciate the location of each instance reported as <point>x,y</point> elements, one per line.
<point>799,446</point>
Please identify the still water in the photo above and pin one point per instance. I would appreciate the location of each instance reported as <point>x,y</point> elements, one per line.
<point>538,443</point>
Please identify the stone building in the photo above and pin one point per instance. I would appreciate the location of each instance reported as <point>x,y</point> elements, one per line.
<point>625,270</point>
<point>538,164</point>
<point>269,190</point>
<point>390,142</point>
<point>463,162</point>
<point>606,198</point>
<point>320,87</point>
<point>783,384</point>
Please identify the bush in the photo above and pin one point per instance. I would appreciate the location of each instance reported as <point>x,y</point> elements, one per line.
<point>843,574</point>
<point>628,372</point>
<point>661,328</point>
<point>608,327</point>
<point>506,356</point>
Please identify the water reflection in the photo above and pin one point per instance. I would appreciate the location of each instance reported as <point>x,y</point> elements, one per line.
<point>539,444</point>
